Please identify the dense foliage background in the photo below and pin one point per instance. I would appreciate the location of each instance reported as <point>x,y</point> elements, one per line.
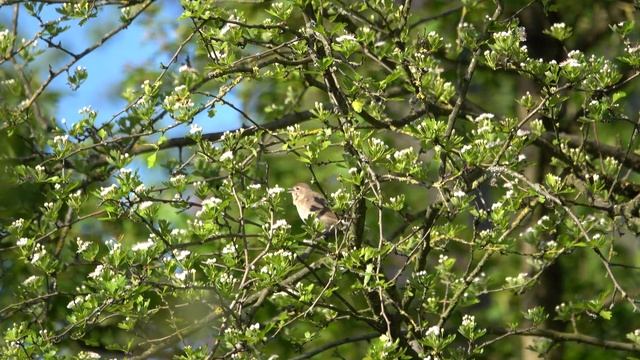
<point>482,155</point>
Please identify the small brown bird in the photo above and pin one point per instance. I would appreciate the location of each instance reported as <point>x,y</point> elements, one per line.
<point>308,201</point>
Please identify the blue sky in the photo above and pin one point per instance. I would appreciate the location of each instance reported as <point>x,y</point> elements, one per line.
<point>108,65</point>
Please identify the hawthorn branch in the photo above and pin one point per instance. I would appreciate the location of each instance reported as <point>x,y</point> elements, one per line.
<point>334,344</point>
<point>479,266</point>
<point>569,337</point>
<point>287,120</point>
<point>77,57</point>
<point>629,159</point>
<point>255,299</point>
<point>466,81</point>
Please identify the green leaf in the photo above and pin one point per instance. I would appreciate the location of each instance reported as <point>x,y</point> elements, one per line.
<point>605,314</point>
<point>367,274</point>
<point>326,62</point>
<point>151,160</point>
<point>357,105</point>
<point>390,78</point>
<point>618,96</point>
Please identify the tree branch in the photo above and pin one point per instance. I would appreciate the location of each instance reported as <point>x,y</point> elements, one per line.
<point>287,120</point>
<point>574,337</point>
<point>333,344</point>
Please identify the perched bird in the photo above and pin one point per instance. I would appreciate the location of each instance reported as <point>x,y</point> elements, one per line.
<point>308,201</point>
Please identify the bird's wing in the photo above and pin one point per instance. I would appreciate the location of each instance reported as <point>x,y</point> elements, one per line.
<point>322,210</point>
<point>319,203</point>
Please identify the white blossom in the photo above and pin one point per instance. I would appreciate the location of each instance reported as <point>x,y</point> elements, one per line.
<point>96,272</point>
<point>22,241</point>
<point>483,129</point>
<point>145,205</point>
<point>30,280</point>
<point>229,249</point>
<point>433,331</point>
<point>39,253</point>
<point>520,279</point>
<point>82,245</point>
<point>177,179</point>
<point>143,246</point>
<point>402,153</point>
<point>113,245</point>
<point>210,261</point>
<point>75,302</point>
<point>89,355</point>
<point>571,63</point>
<point>18,223</point>
<point>182,275</point>
<point>185,68</point>
<point>226,278</point>
<point>280,253</point>
<point>483,117</point>
<point>211,202</point>
<point>280,224</point>
<point>227,155</point>
<point>178,232</point>
<point>86,110</point>
<point>77,194</point>
<point>61,139</point>
<point>377,142</point>
<point>574,53</point>
<point>543,219</point>
<point>274,190</point>
<point>181,254</point>
<point>227,27</point>
<point>469,320</point>
<point>345,38</point>
<point>195,129</point>
<point>105,191</point>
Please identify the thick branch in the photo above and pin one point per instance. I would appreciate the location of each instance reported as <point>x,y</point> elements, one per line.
<point>576,337</point>
<point>287,120</point>
<point>334,344</point>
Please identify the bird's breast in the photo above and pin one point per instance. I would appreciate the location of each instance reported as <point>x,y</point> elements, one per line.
<point>303,211</point>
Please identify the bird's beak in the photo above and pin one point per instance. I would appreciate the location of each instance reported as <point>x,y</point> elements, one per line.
<point>290,191</point>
